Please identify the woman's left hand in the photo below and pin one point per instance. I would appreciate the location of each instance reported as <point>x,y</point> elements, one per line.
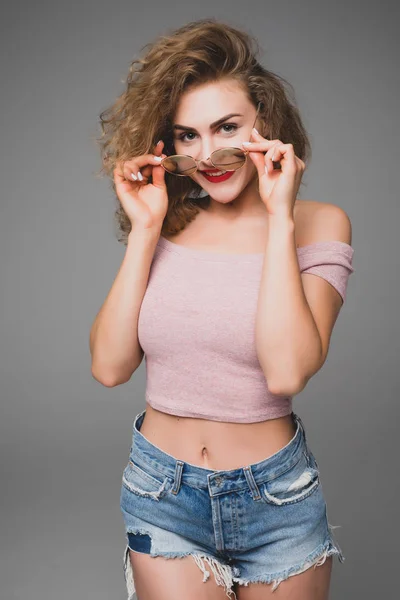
<point>277,187</point>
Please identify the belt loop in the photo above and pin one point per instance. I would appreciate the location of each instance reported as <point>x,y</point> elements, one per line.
<point>177,477</point>
<point>136,420</point>
<point>300,422</point>
<point>248,473</point>
<point>303,429</point>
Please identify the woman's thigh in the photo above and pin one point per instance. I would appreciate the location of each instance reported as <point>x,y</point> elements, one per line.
<point>159,578</point>
<point>311,584</point>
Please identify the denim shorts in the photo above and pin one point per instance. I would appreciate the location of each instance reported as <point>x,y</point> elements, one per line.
<point>262,522</point>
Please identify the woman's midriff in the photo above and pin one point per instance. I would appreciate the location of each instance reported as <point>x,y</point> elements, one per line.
<point>214,444</point>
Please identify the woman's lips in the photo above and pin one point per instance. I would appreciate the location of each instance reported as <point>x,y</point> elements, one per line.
<point>219,178</point>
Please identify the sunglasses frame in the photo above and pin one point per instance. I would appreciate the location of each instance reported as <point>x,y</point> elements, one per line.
<point>245,152</point>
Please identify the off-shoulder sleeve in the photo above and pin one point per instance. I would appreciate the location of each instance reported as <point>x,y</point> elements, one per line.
<point>331,260</point>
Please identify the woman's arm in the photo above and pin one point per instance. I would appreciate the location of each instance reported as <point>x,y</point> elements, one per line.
<point>288,343</point>
<point>297,311</point>
<point>114,344</point>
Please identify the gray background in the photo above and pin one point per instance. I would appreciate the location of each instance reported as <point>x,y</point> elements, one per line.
<point>64,437</point>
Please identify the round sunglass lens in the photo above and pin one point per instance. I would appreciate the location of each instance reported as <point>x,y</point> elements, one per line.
<point>179,164</point>
<point>228,159</point>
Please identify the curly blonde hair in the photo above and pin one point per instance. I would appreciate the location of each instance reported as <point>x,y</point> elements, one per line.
<point>199,52</point>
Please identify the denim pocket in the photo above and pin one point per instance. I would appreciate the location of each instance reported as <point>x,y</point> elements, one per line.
<point>293,485</point>
<point>142,483</point>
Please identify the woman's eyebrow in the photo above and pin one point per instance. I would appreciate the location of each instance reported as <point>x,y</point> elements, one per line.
<point>212,126</point>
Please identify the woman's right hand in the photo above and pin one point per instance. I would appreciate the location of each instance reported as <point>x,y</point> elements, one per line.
<point>145,204</point>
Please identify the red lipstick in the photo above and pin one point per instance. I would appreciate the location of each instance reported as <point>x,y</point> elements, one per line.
<point>216,179</point>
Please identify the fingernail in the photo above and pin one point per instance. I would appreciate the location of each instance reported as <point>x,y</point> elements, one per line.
<point>140,176</point>
<point>254,129</point>
<point>134,176</point>
<point>246,143</point>
<point>158,158</point>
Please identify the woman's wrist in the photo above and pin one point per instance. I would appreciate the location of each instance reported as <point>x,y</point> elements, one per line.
<point>145,233</point>
<point>283,222</point>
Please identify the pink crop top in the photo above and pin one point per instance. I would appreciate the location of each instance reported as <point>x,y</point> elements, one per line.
<point>196,327</point>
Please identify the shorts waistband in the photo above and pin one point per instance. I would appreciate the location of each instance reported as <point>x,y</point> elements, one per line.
<point>147,454</point>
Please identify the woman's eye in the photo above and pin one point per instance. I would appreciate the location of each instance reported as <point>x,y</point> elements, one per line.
<point>183,136</point>
<point>230,125</point>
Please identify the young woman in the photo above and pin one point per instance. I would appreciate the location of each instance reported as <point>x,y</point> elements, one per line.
<point>230,287</point>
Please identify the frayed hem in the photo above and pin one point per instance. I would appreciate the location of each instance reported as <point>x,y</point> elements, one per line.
<point>128,574</point>
<point>315,559</point>
<point>223,574</point>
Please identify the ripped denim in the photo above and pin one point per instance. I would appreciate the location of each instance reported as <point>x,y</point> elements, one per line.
<point>263,522</point>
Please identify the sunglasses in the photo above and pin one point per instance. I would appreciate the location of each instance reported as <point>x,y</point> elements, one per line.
<point>225,159</point>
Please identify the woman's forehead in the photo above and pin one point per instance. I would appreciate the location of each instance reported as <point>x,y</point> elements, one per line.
<point>206,109</point>
<point>213,91</point>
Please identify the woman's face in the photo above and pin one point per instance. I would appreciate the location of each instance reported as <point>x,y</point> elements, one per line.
<point>213,116</point>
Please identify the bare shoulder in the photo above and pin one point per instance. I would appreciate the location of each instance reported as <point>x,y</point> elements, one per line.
<point>319,221</point>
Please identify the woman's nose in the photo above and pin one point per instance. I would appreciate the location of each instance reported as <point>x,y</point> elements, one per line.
<point>205,162</point>
<point>207,146</point>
